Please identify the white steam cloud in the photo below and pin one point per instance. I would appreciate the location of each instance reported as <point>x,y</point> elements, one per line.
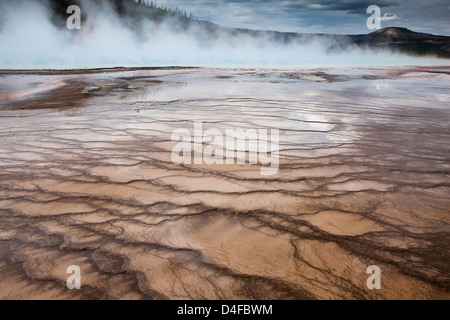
<point>30,39</point>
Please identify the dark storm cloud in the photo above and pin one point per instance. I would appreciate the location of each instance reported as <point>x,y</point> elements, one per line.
<point>349,6</point>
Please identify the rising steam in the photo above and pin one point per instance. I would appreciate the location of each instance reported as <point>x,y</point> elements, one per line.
<point>30,38</point>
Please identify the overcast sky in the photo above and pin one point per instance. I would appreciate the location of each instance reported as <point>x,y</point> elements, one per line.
<point>343,17</point>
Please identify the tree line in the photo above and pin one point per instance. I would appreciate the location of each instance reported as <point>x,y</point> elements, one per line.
<point>169,11</point>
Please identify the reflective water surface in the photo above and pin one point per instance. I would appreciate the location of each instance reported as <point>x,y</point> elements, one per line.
<point>86,178</point>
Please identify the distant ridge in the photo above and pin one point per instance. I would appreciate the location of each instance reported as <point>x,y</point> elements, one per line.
<point>405,40</point>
